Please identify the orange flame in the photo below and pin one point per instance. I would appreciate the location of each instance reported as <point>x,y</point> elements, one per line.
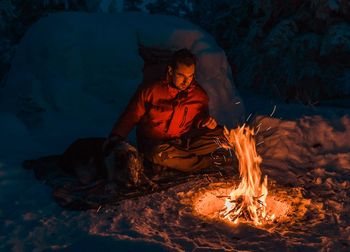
<point>248,200</point>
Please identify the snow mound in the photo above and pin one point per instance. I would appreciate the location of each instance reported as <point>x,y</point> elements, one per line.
<point>73,73</point>
<point>307,143</point>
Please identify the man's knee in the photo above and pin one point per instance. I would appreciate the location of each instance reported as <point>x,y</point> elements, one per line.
<point>179,161</point>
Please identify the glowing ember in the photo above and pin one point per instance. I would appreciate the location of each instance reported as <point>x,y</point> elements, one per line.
<point>248,200</point>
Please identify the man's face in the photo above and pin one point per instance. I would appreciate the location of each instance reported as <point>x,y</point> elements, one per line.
<point>182,75</point>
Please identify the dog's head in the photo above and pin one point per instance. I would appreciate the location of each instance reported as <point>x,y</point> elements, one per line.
<point>124,164</point>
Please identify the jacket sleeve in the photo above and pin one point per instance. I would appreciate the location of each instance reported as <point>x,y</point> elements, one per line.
<point>204,111</point>
<point>131,115</point>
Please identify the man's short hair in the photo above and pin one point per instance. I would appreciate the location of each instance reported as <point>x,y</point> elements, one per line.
<point>182,56</point>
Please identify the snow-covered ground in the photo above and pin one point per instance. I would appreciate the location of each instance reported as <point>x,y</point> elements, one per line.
<point>306,158</point>
<point>305,151</point>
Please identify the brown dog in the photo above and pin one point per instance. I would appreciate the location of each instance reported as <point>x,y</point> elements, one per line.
<point>124,164</point>
<point>86,160</point>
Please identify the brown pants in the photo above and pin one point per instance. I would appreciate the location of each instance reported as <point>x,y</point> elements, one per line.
<point>189,153</point>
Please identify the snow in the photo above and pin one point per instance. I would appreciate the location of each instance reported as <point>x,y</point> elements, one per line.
<point>306,160</point>
<point>305,151</point>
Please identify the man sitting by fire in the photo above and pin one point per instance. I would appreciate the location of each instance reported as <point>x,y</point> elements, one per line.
<point>173,125</point>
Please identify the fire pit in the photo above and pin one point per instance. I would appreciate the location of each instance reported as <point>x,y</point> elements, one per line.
<point>281,203</point>
<point>248,200</point>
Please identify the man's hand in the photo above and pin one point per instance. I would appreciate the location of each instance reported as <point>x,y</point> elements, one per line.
<point>210,123</point>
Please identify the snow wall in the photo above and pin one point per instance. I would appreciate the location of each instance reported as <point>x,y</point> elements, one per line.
<point>73,73</point>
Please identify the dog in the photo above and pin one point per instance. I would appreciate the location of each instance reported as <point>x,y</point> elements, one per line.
<point>121,164</point>
<point>124,164</point>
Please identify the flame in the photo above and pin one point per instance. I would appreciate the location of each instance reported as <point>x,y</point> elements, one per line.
<point>248,200</point>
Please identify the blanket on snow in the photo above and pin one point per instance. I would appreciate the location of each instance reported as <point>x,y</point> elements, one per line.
<point>70,191</point>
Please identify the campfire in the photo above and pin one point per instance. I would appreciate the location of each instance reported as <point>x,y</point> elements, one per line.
<point>248,200</point>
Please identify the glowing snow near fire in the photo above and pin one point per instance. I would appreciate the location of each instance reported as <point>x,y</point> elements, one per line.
<point>248,200</point>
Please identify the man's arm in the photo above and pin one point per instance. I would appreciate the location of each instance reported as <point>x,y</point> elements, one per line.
<point>131,115</point>
<point>203,119</point>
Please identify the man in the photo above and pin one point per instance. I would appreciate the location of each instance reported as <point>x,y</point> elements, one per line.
<point>174,128</point>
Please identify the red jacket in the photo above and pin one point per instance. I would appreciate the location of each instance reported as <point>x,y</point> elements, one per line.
<point>163,112</point>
